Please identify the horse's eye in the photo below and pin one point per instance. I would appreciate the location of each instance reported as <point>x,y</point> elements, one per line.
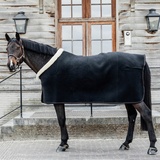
<point>17,47</point>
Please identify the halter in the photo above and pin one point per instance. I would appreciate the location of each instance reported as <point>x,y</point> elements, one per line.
<point>18,59</point>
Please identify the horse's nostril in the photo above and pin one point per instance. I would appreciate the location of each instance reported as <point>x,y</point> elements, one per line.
<point>12,65</point>
<point>13,68</point>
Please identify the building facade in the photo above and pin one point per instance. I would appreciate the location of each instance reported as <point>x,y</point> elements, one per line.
<point>83,27</point>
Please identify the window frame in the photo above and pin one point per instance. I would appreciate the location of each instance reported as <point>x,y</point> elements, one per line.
<point>86,22</point>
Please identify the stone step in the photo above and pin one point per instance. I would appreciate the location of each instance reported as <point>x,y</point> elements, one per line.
<point>111,123</point>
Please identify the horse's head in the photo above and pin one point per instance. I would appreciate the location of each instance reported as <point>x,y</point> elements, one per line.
<point>15,52</point>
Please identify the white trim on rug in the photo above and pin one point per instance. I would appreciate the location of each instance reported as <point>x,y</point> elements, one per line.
<point>49,63</point>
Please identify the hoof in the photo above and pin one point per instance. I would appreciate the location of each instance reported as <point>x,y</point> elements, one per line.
<point>152,151</point>
<point>62,148</point>
<point>67,146</point>
<point>124,147</point>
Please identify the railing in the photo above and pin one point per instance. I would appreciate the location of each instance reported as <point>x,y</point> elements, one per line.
<point>20,89</point>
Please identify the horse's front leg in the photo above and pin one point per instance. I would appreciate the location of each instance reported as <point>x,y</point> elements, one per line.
<point>132,114</point>
<point>146,114</point>
<point>60,111</point>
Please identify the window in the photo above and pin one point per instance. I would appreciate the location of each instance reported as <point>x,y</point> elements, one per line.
<point>71,8</point>
<point>87,27</point>
<point>72,38</point>
<point>101,8</point>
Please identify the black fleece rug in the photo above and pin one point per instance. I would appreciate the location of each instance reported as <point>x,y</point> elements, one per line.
<point>105,78</point>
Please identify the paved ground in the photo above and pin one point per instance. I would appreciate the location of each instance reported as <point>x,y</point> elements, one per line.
<point>80,149</point>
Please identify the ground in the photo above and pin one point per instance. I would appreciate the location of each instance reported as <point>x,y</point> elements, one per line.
<point>80,149</point>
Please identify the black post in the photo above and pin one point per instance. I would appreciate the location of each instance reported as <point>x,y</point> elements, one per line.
<point>21,92</point>
<point>91,110</point>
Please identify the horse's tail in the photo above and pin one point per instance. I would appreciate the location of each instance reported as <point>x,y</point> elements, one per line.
<point>147,96</point>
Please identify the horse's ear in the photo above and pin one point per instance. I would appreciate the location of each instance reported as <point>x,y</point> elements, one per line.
<point>17,36</point>
<point>7,37</point>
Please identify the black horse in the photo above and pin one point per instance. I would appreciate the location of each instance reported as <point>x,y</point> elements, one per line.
<point>57,90</point>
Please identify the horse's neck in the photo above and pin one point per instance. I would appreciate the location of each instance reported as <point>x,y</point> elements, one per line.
<point>35,61</point>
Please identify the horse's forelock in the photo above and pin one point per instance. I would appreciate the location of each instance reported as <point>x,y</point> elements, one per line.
<point>14,40</point>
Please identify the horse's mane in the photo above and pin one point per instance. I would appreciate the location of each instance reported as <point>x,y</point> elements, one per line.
<point>38,47</point>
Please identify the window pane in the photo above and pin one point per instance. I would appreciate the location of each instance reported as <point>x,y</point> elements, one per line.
<point>101,9</point>
<point>66,1</point>
<point>106,1</point>
<point>96,32</point>
<point>76,1</point>
<point>77,11</point>
<point>77,47</point>
<point>66,11</point>
<point>95,1</point>
<point>96,47</point>
<point>77,32</point>
<point>106,10</point>
<point>66,32</point>
<point>106,32</point>
<point>106,46</point>
<point>95,11</point>
<point>67,45</point>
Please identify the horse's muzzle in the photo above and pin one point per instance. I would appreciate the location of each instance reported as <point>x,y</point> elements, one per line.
<point>11,67</point>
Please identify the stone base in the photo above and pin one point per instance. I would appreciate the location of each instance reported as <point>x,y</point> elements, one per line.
<point>44,125</point>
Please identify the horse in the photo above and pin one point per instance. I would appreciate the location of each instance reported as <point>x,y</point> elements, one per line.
<point>37,56</point>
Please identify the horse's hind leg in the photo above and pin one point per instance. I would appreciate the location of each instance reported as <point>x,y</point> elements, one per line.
<point>132,114</point>
<point>60,111</point>
<point>146,114</point>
